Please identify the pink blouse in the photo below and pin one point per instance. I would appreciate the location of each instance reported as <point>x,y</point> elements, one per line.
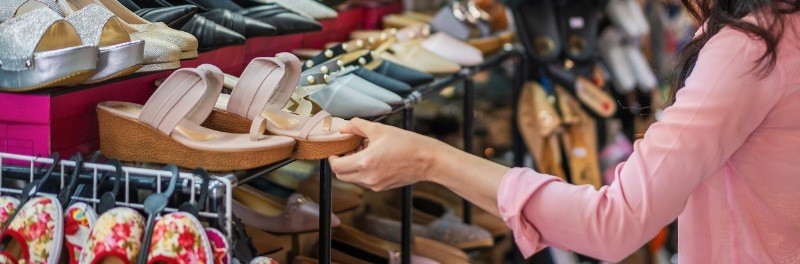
<point>724,160</point>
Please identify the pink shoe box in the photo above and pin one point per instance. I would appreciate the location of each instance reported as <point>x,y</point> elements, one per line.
<point>64,120</point>
<point>269,46</point>
<point>373,15</point>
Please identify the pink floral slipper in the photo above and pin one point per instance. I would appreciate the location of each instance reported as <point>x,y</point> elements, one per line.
<point>36,232</point>
<point>78,223</point>
<point>219,246</point>
<point>116,235</point>
<point>8,205</point>
<point>180,238</point>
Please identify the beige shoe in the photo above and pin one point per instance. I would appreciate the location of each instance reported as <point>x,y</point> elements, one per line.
<point>580,141</point>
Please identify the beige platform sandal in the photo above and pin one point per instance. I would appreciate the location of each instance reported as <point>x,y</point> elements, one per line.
<point>264,89</point>
<point>167,128</point>
<point>540,125</point>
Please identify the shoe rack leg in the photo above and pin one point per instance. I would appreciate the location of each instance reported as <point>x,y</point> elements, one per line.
<point>325,212</point>
<point>468,129</point>
<point>517,145</point>
<point>405,250</point>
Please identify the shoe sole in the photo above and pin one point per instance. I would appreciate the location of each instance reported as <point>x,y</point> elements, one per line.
<point>303,150</point>
<point>72,79</point>
<point>130,140</point>
<point>124,72</point>
<point>160,66</point>
<point>188,55</point>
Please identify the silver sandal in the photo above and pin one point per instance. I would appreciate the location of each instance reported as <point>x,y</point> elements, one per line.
<point>39,49</point>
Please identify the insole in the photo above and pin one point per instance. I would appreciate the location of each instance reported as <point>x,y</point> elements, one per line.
<point>257,203</point>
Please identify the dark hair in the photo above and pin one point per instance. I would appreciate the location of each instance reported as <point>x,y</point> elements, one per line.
<point>717,14</point>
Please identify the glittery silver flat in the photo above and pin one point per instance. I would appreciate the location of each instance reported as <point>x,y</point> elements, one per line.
<point>39,49</point>
<point>119,55</point>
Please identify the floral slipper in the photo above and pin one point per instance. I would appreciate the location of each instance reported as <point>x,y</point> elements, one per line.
<point>117,235</point>
<point>78,223</point>
<point>219,246</point>
<point>36,232</point>
<point>179,238</point>
<point>8,205</point>
<point>263,260</point>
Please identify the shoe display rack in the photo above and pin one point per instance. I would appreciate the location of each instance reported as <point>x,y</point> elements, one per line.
<point>218,201</point>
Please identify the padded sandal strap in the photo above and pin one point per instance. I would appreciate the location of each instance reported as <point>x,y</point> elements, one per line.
<point>86,19</point>
<point>256,87</point>
<point>215,78</point>
<point>311,123</point>
<point>177,98</point>
<point>17,52</point>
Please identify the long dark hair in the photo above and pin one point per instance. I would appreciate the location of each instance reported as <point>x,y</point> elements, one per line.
<point>717,14</point>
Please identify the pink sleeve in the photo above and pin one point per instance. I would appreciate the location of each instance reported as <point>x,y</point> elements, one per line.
<point>722,103</point>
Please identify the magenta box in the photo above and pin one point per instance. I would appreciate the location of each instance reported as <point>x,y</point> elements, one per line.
<point>64,119</point>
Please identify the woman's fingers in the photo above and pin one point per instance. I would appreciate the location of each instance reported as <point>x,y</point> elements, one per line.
<point>359,127</point>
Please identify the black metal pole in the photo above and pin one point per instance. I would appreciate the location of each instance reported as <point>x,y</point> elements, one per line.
<point>469,116</point>
<point>406,239</point>
<point>517,144</point>
<point>325,175</point>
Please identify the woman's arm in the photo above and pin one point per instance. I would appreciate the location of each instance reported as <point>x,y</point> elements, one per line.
<point>723,102</point>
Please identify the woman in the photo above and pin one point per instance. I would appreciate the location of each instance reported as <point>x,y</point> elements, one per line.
<point>724,159</point>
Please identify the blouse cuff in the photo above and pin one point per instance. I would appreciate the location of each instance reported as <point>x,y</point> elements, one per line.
<point>516,188</point>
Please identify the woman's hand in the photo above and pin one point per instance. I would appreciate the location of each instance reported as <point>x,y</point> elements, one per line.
<point>390,157</point>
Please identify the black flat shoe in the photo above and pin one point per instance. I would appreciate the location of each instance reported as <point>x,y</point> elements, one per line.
<point>285,20</point>
<point>537,29</point>
<point>395,86</point>
<point>211,35</point>
<point>244,25</point>
<point>174,16</point>
<point>404,74</point>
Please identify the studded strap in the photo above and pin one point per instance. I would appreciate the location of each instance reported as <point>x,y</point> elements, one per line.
<point>20,35</point>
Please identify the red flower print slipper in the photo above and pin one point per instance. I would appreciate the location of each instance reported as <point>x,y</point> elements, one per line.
<point>116,237</point>
<point>179,238</point>
<point>8,205</point>
<point>36,233</point>
<point>219,246</point>
<point>78,223</point>
<point>263,260</point>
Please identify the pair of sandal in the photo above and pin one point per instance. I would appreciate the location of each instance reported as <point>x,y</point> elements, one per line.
<point>180,125</point>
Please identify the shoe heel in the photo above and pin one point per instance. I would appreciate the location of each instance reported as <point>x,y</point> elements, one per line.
<point>129,140</point>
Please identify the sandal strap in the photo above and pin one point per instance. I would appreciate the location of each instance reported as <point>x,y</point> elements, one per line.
<point>8,8</point>
<point>311,123</point>
<point>256,87</point>
<point>258,128</point>
<point>18,47</point>
<point>177,98</point>
<point>215,78</point>
<point>86,23</point>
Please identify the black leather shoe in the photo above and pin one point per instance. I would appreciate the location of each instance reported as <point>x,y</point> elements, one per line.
<point>404,74</point>
<point>246,26</point>
<point>398,87</point>
<point>174,16</point>
<point>211,35</point>
<point>286,21</point>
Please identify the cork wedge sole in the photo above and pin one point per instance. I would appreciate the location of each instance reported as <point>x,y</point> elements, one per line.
<point>304,149</point>
<point>129,140</point>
